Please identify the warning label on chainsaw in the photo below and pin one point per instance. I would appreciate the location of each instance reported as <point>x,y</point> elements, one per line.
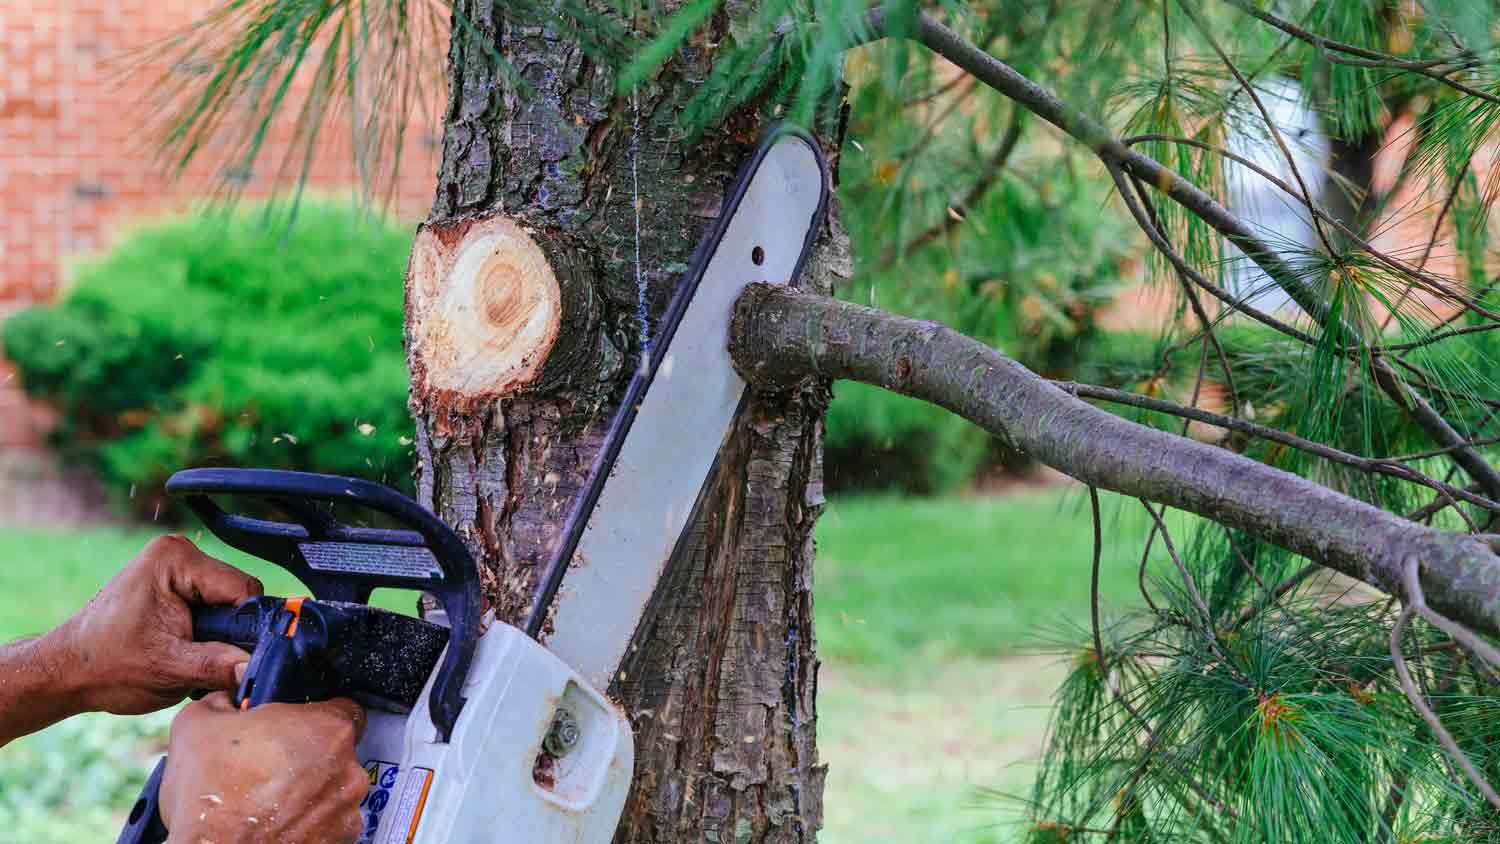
<point>408,811</point>
<point>383,560</point>
<point>383,776</point>
<point>393,805</point>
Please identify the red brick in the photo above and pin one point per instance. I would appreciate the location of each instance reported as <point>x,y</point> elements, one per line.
<point>70,113</point>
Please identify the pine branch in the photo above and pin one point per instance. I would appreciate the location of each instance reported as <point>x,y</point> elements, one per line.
<point>1418,275</point>
<point>1378,466</point>
<point>1370,58</point>
<point>1116,155</point>
<point>780,336</point>
<point>992,170</point>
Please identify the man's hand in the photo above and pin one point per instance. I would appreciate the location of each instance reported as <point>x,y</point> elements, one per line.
<point>131,647</point>
<point>130,650</point>
<point>281,773</point>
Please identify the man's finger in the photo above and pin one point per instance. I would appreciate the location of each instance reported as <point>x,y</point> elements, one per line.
<point>206,665</point>
<point>344,709</point>
<point>200,579</point>
<point>217,701</point>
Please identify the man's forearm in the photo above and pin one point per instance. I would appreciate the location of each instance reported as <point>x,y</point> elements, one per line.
<point>37,687</point>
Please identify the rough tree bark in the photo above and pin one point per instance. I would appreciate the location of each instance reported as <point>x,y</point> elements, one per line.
<point>560,214</point>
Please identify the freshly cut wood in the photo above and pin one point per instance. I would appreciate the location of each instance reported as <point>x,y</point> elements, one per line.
<point>484,308</point>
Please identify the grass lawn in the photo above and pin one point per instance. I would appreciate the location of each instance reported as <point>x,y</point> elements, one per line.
<point>925,609</point>
<point>903,583</point>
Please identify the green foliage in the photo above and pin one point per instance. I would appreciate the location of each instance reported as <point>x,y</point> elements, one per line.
<point>371,64</point>
<point>66,784</point>
<point>229,340</point>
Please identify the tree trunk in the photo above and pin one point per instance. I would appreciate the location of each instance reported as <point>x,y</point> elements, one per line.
<point>563,219</point>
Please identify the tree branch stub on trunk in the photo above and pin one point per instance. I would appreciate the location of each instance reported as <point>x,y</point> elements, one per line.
<point>496,308</point>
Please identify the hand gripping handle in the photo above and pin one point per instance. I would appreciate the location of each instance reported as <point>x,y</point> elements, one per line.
<point>210,624</point>
<point>237,626</point>
<point>339,562</point>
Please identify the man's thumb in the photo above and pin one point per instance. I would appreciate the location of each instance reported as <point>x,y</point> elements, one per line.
<point>208,665</point>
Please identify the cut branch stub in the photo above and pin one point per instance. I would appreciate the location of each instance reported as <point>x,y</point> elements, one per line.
<point>495,309</point>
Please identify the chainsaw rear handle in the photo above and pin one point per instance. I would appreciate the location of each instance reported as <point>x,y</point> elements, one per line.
<point>239,625</point>
<point>235,625</point>
<point>304,650</point>
<point>144,825</point>
<point>345,563</point>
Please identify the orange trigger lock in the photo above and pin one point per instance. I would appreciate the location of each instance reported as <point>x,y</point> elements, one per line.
<point>294,606</point>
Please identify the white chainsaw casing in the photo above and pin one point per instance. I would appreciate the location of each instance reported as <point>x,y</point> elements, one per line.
<point>483,786</point>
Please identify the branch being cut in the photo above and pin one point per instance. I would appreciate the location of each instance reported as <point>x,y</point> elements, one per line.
<point>780,337</point>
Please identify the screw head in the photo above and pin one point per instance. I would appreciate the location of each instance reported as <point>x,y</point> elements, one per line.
<point>564,735</point>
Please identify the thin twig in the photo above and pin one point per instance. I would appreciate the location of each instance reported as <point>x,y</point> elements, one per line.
<point>1372,58</point>
<point>1277,593</point>
<point>1207,624</point>
<point>1198,311</point>
<point>987,179</point>
<point>1437,228</point>
<point>1414,602</point>
<point>1141,572</point>
<point>1094,585</point>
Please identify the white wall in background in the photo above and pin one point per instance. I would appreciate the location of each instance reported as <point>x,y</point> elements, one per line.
<point>1276,216</point>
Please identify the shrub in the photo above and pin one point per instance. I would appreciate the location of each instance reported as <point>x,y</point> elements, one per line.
<point>241,339</point>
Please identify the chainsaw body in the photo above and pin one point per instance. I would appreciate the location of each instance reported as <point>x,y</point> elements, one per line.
<point>538,755</point>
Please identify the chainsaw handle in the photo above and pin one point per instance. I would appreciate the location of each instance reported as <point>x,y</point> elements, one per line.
<point>295,545</point>
<point>278,542</point>
<point>145,826</point>
<point>237,625</point>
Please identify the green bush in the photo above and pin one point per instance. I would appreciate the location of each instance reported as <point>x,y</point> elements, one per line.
<point>243,339</point>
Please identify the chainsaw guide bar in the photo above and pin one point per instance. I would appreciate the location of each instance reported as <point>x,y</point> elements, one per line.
<point>664,441</point>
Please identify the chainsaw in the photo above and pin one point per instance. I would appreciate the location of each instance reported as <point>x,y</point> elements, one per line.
<point>480,731</point>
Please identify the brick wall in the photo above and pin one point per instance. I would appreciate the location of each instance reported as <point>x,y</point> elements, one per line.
<point>77,151</point>
<point>77,78</point>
